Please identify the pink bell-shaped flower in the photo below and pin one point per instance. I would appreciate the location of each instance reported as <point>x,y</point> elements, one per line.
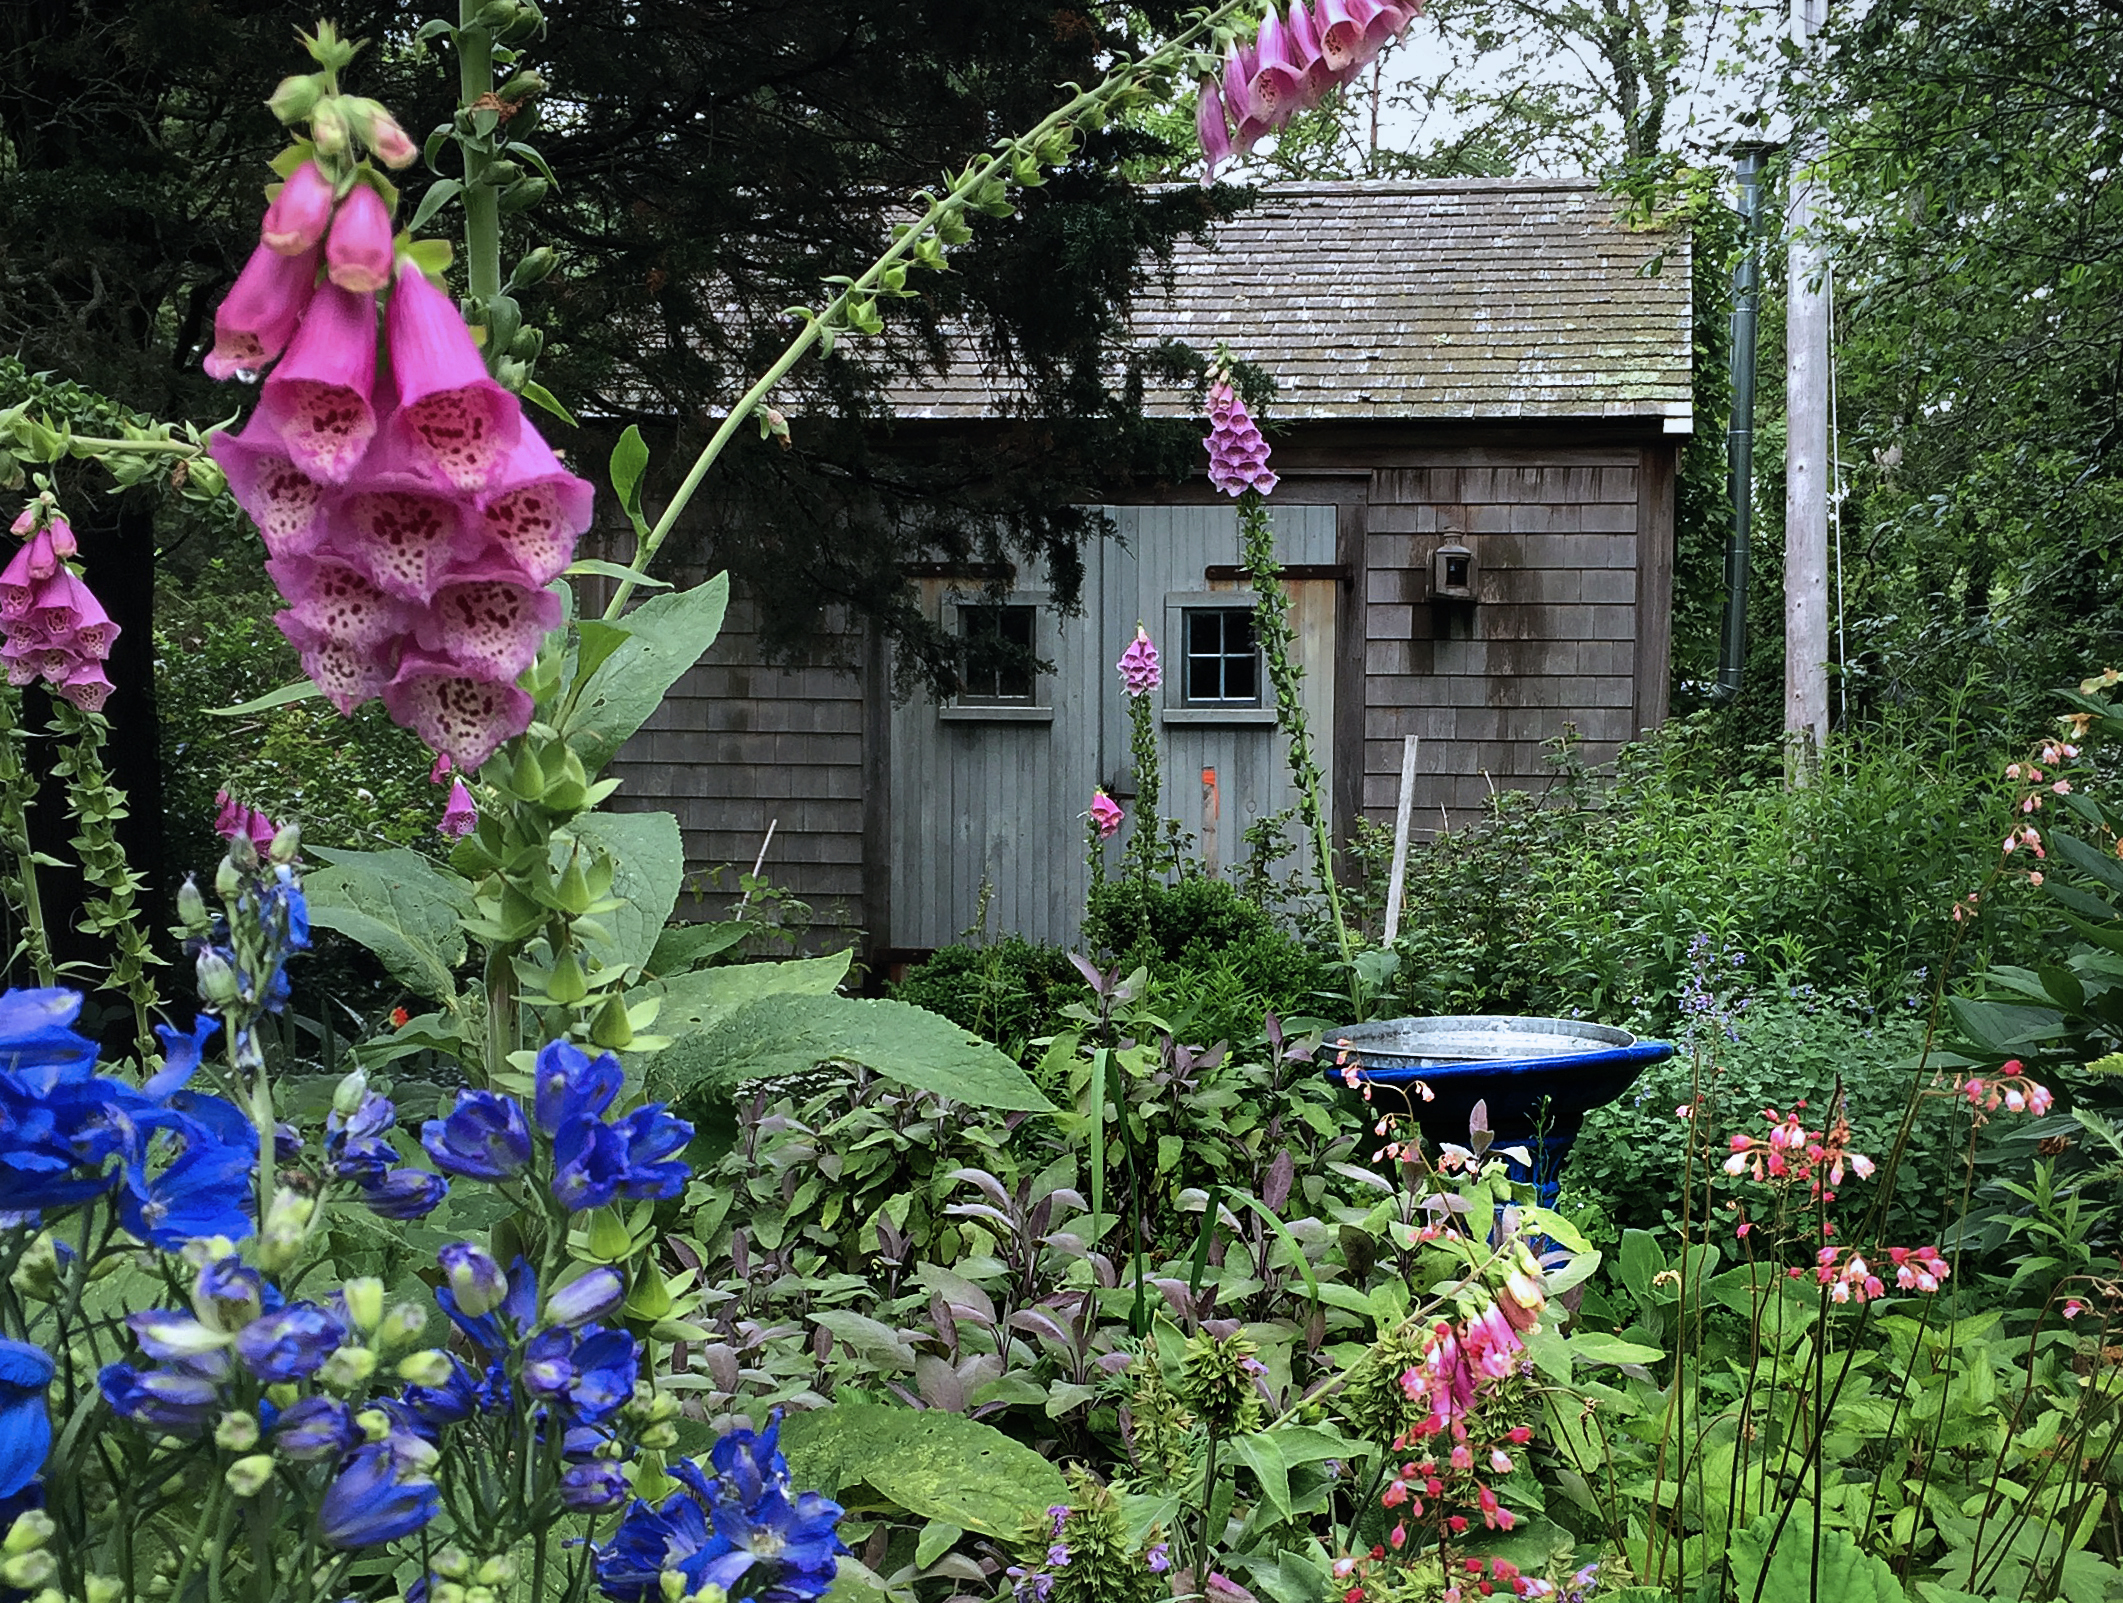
<point>235,819</point>
<point>1278,81</point>
<point>466,719</point>
<point>32,564</point>
<point>330,599</point>
<point>492,629</point>
<point>262,311</point>
<point>461,816</point>
<point>1341,25</point>
<point>87,686</point>
<point>400,527</point>
<point>452,418</point>
<point>358,254</point>
<point>1386,24</point>
<point>1249,120</point>
<point>1238,456</point>
<point>1106,814</point>
<point>1139,671</point>
<point>1320,80</point>
<point>535,510</point>
<point>348,675</point>
<point>300,213</point>
<point>62,532</point>
<point>1213,131</point>
<point>282,500</point>
<point>318,400</point>
<point>68,610</point>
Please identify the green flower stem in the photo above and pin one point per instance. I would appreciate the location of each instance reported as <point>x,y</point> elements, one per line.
<point>1142,842</point>
<point>1277,637</point>
<point>981,178</point>
<point>18,793</point>
<point>501,1012</point>
<point>482,202</point>
<point>96,805</point>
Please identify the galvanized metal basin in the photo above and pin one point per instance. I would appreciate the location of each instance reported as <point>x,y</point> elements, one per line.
<point>1539,1077</point>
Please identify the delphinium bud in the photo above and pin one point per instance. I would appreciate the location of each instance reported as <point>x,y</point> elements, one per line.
<point>286,1225</point>
<point>237,1432</point>
<point>364,1302</point>
<point>430,1367</point>
<point>31,1530</point>
<point>217,981</point>
<point>349,1094</point>
<point>191,907</point>
<point>287,844</point>
<point>404,1323</point>
<point>347,1368</point>
<point>247,1477</point>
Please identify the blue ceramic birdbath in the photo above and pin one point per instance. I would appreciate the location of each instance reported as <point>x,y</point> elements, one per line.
<point>1539,1077</point>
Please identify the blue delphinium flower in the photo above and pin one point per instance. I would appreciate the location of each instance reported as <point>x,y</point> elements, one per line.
<point>25,1422</point>
<point>228,1293</point>
<point>590,1164</point>
<point>168,1400</point>
<point>375,1500</point>
<point>653,1136</point>
<point>485,1137</point>
<point>405,1194</point>
<point>606,1365</point>
<point>475,1279</point>
<point>357,1148</point>
<point>459,1397</point>
<point>203,1193</point>
<point>37,1040</point>
<point>182,1053</point>
<point>315,1428</point>
<point>571,1085</point>
<point>290,1344</point>
<point>739,1529</point>
<point>492,1331</point>
<point>592,1487</point>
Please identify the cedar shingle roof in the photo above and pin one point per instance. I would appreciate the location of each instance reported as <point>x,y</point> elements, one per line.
<point>1465,298</point>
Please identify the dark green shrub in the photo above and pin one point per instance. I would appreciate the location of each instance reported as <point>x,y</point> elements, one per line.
<point>1009,991</point>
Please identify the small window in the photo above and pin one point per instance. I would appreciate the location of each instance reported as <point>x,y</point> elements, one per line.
<point>995,665</point>
<point>1222,663</point>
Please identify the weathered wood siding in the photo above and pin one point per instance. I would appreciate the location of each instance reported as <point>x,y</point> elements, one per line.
<point>1551,642</point>
<point>738,745</point>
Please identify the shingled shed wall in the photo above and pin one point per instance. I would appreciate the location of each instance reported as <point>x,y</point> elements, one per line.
<point>738,745</point>
<point>1567,630</point>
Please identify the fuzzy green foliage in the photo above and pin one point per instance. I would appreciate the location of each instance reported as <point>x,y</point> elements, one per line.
<point>1007,991</point>
<point>1105,1564</point>
<point>1216,1380</point>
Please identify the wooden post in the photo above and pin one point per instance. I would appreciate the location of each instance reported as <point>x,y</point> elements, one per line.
<point>1403,817</point>
<point>1212,805</point>
<point>1806,361</point>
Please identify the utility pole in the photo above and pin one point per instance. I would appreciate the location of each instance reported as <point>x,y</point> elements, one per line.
<point>1806,462</point>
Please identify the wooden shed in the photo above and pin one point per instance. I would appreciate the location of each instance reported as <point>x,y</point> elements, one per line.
<point>1483,386</point>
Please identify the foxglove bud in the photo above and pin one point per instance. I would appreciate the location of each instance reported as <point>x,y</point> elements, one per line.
<point>359,251</point>
<point>300,213</point>
<point>62,532</point>
<point>378,130</point>
<point>25,523</point>
<point>296,97</point>
<point>328,128</point>
<point>217,981</point>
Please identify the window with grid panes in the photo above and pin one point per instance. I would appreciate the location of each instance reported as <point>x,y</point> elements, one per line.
<point>1220,663</point>
<point>995,662</point>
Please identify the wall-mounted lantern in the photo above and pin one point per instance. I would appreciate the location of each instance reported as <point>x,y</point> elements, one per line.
<point>1454,571</point>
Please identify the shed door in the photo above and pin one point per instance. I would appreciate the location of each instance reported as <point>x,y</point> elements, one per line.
<point>988,795</point>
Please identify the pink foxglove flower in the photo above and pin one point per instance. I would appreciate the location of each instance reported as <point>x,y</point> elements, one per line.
<point>299,215</point>
<point>357,255</point>
<point>1106,815</point>
<point>318,400</point>
<point>461,816</point>
<point>489,627</point>
<point>535,510</point>
<point>466,717</point>
<point>1211,128</point>
<point>262,311</point>
<point>27,569</point>
<point>52,627</point>
<point>283,501</point>
<point>235,819</point>
<point>1138,665</point>
<point>453,419</point>
<point>1295,63</point>
<point>62,533</point>
<point>1278,80</point>
<point>1238,456</point>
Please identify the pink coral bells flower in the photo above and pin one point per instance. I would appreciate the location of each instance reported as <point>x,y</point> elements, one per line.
<point>318,400</point>
<point>1106,814</point>
<point>453,419</point>
<point>461,816</point>
<point>1238,456</point>
<point>1138,665</point>
<point>357,255</point>
<point>262,311</point>
<point>299,215</point>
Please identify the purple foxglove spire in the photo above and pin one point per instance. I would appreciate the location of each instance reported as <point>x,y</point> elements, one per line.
<point>333,600</point>
<point>535,510</point>
<point>281,499</point>
<point>318,398</point>
<point>1214,132</point>
<point>490,628</point>
<point>453,419</point>
<point>1238,456</point>
<point>86,623</point>
<point>461,816</point>
<point>300,213</point>
<point>466,719</point>
<point>1278,81</point>
<point>1139,672</point>
<point>358,254</point>
<point>30,566</point>
<point>262,311</point>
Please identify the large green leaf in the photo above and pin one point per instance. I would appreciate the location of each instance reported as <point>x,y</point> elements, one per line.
<point>648,865</point>
<point>789,1034</point>
<point>665,636</point>
<point>1272,1454</point>
<point>1845,1573</point>
<point>936,1466</point>
<point>400,906</point>
<point>692,1001</point>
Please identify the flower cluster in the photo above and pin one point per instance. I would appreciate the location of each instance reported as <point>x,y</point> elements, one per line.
<point>358,1151</point>
<point>1296,62</point>
<point>2010,1089</point>
<point>1083,1551</point>
<point>1139,672</point>
<point>593,1160</point>
<point>739,1530</point>
<point>1849,1278</point>
<point>1471,1578</point>
<point>412,523</point>
<point>1791,1154</point>
<point>1105,814</point>
<point>175,1162</point>
<point>1238,456</point>
<point>241,954</point>
<point>232,818</point>
<point>52,627</point>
